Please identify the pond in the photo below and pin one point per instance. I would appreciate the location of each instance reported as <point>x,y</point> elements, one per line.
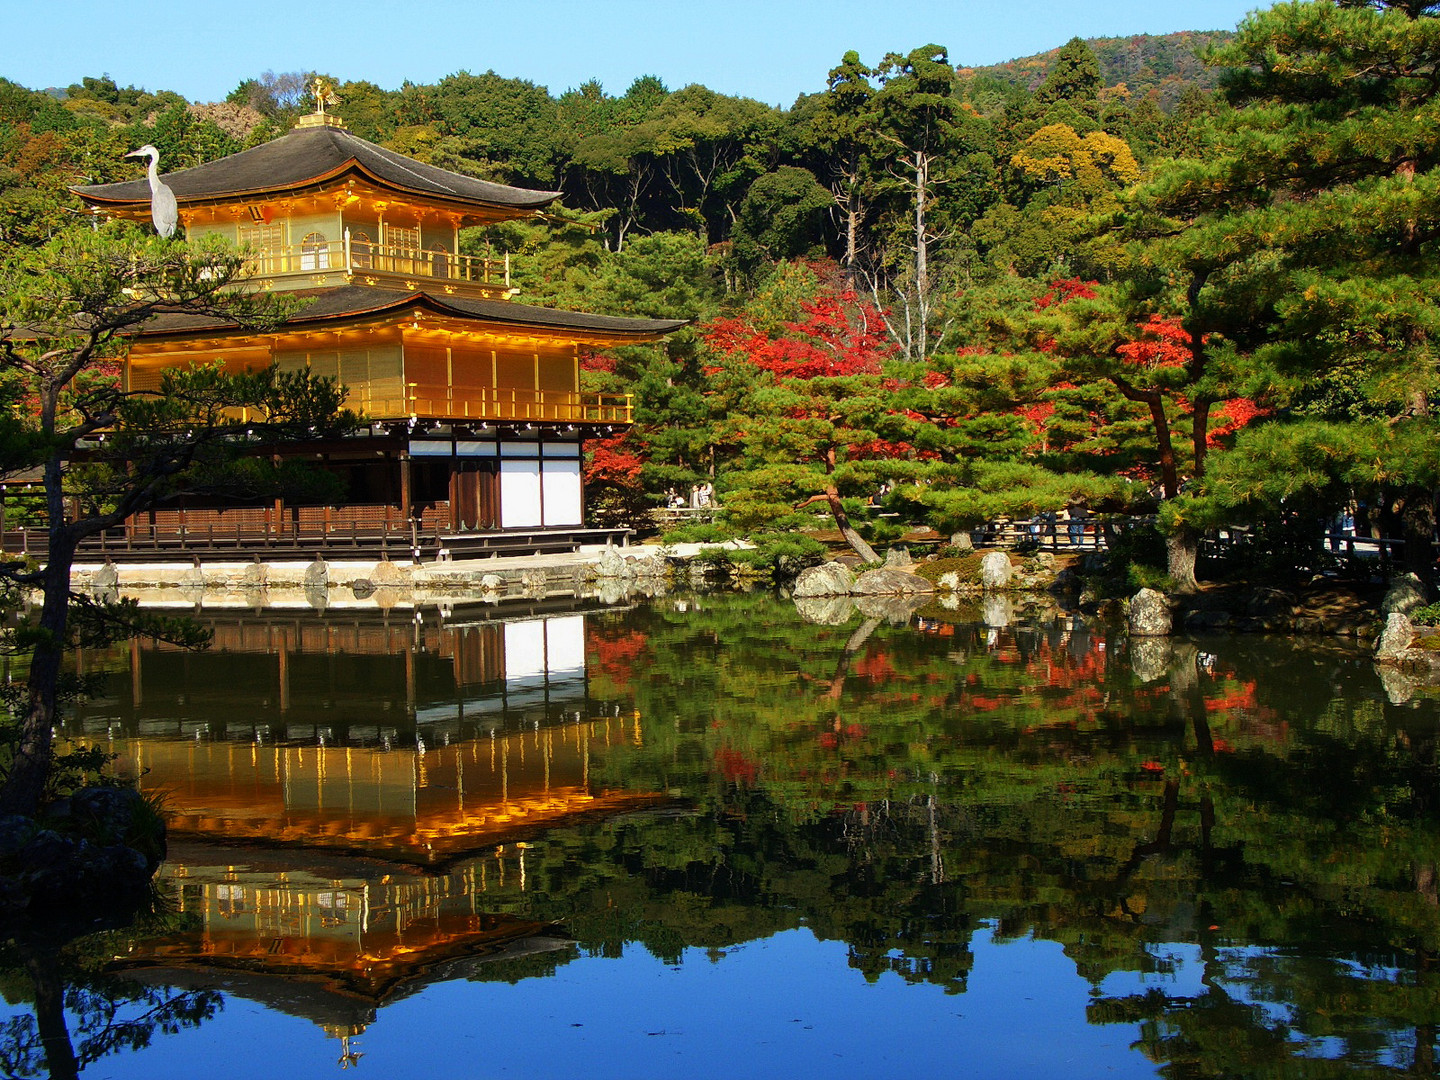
<point>701,835</point>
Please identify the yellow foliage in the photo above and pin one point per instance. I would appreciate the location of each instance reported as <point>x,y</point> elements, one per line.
<point>1057,154</point>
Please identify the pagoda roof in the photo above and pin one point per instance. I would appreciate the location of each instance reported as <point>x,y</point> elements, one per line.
<point>309,158</point>
<point>353,302</point>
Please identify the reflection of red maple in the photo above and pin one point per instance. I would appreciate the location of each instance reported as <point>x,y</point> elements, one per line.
<point>1241,696</point>
<point>875,666</point>
<point>615,654</point>
<point>735,767</point>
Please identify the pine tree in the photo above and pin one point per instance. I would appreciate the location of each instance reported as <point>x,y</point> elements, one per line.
<point>1299,243</point>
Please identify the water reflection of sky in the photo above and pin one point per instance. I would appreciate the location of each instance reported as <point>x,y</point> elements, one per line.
<point>784,1006</point>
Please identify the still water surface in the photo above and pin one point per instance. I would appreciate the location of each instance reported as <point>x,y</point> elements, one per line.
<point>704,836</point>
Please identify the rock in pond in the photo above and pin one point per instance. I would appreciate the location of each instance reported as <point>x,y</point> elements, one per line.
<point>895,610</point>
<point>827,579</point>
<point>883,582</point>
<point>1149,614</point>
<point>1406,593</point>
<point>995,570</point>
<point>1397,637</point>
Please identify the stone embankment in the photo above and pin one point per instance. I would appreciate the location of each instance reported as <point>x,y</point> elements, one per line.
<point>902,576</point>
<point>336,583</point>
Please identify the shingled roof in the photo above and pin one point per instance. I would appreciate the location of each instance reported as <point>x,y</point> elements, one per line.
<point>361,301</point>
<point>313,157</point>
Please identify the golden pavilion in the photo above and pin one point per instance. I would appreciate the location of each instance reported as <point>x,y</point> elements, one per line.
<point>476,421</point>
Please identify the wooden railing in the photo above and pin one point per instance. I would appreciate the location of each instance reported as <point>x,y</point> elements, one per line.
<point>360,257</point>
<point>357,531</point>
<point>483,403</point>
<point>492,403</point>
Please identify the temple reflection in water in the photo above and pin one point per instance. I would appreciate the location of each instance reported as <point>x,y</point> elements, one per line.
<point>411,741</point>
<point>361,814</point>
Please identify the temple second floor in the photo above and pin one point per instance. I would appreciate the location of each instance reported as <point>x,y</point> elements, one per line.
<point>409,355</point>
<point>319,207</point>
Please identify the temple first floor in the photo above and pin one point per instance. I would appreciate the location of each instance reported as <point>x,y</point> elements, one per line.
<point>428,491</point>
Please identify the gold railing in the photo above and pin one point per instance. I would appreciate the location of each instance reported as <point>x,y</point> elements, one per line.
<point>487,403</point>
<point>362,257</point>
<point>490,403</point>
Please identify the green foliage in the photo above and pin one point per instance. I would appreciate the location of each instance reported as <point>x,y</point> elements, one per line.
<point>700,532</point>
<point>781,555</point>
<point>1135,559</point>
<point>782,217</point>
<point>1429,615</point>
<point>965,567</point>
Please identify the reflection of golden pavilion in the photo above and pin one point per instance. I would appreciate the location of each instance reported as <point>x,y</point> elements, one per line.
<point>414,803</point>
<point>351,802</point>
<point>344,923</point>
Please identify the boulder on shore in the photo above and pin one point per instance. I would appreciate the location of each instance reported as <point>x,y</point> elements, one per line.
<point>827,579</point>
<point>317,574</point>
<point>1397,637</point>
<point>1149,614</point>
<point>995,570</point>
<point>386,572</point>
<point>884,582</point>
<point>1405,595</point>
<point>898,558</point>
<point>613,565</point>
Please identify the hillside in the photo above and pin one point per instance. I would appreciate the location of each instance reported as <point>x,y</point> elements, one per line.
<point>1162,66</point>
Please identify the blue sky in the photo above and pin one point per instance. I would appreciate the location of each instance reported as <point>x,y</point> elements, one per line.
<point>767,49</point>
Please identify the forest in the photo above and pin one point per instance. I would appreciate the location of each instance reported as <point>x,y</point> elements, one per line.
<point>1186,278</point>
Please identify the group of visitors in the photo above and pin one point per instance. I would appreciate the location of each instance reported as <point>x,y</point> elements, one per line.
<point>702,497</point>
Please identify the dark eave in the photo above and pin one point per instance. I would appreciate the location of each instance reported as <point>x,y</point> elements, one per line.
<point>308,158</point>
<point>352,303</point>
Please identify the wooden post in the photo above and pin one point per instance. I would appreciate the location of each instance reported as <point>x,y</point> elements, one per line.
<point>405,504</point>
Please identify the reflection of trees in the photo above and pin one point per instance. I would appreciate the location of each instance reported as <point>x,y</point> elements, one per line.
<point>1260,809</point>
<point>900,791</point>
<point>80,1015</point>
<point>1267,1012</point>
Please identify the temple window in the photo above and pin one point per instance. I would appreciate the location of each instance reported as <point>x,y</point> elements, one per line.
<point>403,241</point>
<point>360,250</point>
<point>314,252</point>
<point>439,262</point>
<point>265,243</point>
<point>402,248</point>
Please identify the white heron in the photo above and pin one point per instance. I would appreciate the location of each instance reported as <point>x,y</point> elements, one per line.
<point>163,209</point>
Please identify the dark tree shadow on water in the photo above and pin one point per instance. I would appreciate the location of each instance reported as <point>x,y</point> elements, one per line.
<point>79,1013</point>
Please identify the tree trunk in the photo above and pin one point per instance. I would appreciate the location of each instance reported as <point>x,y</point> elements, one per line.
<point>1418,521</point>
<point>854,539</point>
<point>1181,548</point>
<point>50,1014</point>
<point>922,254</point>
<point>25,785</point>
<point>852,242</point>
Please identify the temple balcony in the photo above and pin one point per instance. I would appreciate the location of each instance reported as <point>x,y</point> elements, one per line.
<point>488,404</point>
<point>323,263</point>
